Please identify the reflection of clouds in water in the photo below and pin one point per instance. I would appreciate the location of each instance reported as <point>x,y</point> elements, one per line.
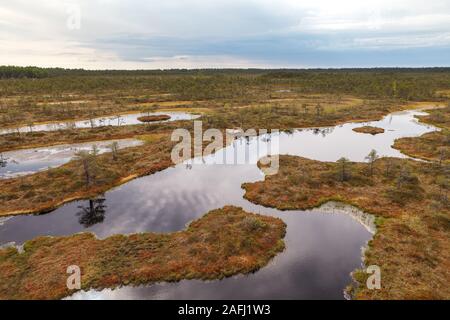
<point>27,161</point>
<point>159,206</point>
<point>323,144</point>
<point>125,119</point>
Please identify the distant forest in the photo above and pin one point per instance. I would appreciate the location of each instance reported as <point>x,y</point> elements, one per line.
<point>8,72</point>
<point>211,84</point>
<point>11,72</point>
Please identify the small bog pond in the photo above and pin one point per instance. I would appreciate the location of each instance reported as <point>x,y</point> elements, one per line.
<point>322,245</point>
<point>28,161</point>
<point>119,120</point>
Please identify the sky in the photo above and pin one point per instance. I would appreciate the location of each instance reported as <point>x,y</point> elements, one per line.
<point>156,34</point>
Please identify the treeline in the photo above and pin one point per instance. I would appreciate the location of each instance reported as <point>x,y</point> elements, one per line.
<point>8,72</point>
<point>231,84</point>
<point>396,83</point>
<point>184,87</point>
<point>37,72</point>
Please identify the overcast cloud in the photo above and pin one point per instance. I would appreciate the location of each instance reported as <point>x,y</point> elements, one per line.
<point>224,33</point>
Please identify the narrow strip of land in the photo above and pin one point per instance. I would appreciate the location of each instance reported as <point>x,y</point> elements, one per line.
<point>433,146</point>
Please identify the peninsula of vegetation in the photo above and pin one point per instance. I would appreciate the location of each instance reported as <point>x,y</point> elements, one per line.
<point>433,146</point>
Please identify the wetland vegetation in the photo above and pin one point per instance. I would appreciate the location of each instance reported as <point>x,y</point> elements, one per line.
<point>433,146</point>
<point>369,130</point>
<point>408,197</point>
<point>161,117</point>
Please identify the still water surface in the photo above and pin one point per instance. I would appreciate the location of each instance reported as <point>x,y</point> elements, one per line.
<point>322,245</point>
<point>119,120</point>
<point>28,161</point>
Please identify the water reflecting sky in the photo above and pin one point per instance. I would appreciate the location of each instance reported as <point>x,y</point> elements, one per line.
<point>322,245</point>
<point>119,120</point>
<point>28,161</point>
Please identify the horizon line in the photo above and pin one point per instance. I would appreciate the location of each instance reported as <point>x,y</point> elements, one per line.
<point>238,68</point>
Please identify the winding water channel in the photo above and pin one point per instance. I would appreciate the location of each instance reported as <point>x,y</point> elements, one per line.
<point>322,245</point>
<point>118,120</point>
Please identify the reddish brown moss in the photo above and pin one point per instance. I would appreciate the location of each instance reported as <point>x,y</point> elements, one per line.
<point>433,146</point>
<point>159,117</point>
<point>369,130</point>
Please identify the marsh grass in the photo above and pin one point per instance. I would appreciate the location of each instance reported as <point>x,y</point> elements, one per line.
<point>433,146</point>
<point>159,117</point>
<point>369,130</point>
